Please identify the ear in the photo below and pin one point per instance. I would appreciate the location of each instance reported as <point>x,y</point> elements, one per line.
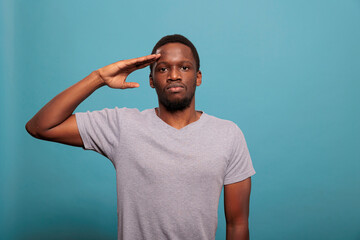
<point>151,81</point>
<point>198,78</point>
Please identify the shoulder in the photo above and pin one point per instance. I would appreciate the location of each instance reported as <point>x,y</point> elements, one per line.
<point>109,114</point>
<point>117,111</point>
<point>125,114</point>
<point>224,125</point>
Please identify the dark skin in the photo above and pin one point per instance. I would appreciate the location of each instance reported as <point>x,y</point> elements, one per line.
<point>173,64</point>
<point>176,67</point>
<point>236,205</point>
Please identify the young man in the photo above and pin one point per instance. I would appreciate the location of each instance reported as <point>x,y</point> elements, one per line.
<point>171,161</point>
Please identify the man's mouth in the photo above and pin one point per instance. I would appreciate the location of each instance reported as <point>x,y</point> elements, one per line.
<point>175,87</point>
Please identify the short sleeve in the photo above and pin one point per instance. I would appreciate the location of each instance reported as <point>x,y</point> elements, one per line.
<point>239,166</point>
<point>99,130</point>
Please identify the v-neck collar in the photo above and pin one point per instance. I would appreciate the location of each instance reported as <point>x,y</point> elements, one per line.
<point>173,129</point>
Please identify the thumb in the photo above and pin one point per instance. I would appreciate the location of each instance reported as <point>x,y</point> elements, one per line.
<point>131,85</point>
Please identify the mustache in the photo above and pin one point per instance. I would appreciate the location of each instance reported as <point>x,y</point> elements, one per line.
<point>171,85</point>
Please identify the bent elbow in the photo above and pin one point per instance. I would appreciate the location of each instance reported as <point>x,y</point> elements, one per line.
<point>31,130</point>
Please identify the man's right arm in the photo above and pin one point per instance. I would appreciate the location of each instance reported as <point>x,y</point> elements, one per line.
<point>56,121</point>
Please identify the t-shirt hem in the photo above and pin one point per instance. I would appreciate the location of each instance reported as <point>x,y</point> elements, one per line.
<point>81,128</point>
<point>240,177</point>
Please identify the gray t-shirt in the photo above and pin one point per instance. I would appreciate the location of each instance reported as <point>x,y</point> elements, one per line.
<point>169,181</point>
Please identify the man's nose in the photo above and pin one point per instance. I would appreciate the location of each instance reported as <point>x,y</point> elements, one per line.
<point>174,74</point>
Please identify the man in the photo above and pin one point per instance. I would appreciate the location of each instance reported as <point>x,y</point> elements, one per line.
<point>171,161</point>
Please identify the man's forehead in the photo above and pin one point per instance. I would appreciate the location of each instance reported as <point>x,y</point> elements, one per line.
<point>171,48</point>
<point>175,50</point>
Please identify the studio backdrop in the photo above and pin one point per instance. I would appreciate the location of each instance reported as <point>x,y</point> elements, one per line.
<point>286,72</point>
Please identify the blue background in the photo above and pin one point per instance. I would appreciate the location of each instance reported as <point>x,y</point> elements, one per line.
<point>287,72</point>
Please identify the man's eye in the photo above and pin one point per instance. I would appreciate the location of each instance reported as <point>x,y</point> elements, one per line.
<point>163,69</point>
<point>185,68</point>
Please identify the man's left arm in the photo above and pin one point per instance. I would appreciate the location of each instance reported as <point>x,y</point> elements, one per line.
<point>236,201</point>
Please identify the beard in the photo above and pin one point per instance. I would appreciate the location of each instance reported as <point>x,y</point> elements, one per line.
<point>177,104</point>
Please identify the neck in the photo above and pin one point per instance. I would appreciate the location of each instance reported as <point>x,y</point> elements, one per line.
<point>178,119</point>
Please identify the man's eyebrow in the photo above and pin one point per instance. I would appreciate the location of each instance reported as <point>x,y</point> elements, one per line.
<point>188,62</point>
<point>158,63</point>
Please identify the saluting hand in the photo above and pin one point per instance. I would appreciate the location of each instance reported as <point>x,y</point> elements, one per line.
<point>115,74</point>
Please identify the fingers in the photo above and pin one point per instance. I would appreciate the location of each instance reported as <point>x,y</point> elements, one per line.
<point>117,73</point>
<point>139,66</point>
<point>130,85</point>
<point>144,61</point>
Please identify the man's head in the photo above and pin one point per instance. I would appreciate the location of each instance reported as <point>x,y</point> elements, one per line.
<point>176,73</point>
<point>177,38</point>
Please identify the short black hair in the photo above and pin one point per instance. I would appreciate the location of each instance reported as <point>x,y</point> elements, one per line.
<point>177,38</point>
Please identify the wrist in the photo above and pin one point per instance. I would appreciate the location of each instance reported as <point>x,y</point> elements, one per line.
<point>97,79</point>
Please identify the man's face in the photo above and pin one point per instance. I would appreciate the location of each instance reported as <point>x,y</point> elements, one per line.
<point>174,76</point>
